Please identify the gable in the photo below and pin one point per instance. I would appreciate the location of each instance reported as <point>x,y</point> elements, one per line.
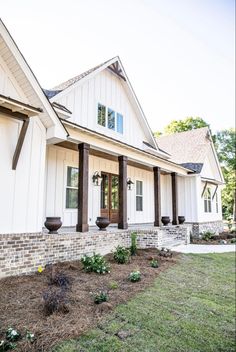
<point>104,88</point>
<point>211,167</point>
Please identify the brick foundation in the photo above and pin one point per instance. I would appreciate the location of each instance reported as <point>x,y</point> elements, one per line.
<point>213,226</point>
<point>23,253</point>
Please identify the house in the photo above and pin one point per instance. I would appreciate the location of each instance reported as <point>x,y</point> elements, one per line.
<point>195,150</point>
<point>84,149</point>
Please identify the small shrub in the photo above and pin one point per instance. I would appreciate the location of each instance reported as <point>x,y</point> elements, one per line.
<point>12,335</point>
<point>59,279</point>
<point>154,263</point>
<point>207,235</point>
<point>30,336</point>
<point>55,301</point>
<point>6,346</point>
<point>121,255</point>
<point>96,264</point>
<point>133,247</point>
<point>233,240</point>
<point>100,297</point>
<point>113,285</point>
<point>135,276</point>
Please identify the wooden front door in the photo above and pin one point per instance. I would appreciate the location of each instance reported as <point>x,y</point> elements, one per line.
<point>110,197</point>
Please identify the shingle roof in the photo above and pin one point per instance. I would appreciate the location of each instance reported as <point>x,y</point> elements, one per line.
<point>188,147</point>
<point>75,79</point>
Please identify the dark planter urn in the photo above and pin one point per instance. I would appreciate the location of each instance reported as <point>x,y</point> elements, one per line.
<point>181,219</point>
<point>165,220</point>
<point>53,223</point>
<point>102,223</point>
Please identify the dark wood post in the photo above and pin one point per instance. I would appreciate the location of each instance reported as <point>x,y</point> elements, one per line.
<point>122,192</point>
<point>174,198</point>
<point>157,196</point>
<point>82,224</point>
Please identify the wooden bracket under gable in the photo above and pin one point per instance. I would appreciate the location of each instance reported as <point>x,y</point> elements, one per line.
<point>21,138</point>
<point>215,192</point>
<point>205,186</point>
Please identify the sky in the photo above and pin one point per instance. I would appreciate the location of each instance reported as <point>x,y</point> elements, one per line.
<point>178,54</point>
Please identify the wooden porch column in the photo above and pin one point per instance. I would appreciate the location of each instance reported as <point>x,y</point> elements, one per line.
<point>157,196</point>
<point>174,198</point>
<point>82,224</point>
<point>122,192</point>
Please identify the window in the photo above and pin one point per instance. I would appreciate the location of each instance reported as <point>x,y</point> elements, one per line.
<point>111,119</point>
<point>108,118</point>
<point>119,123</point>
<point>139,195</point>
<point>102,115</point>
<point>207,200</point>
<point>217,203</point>
<point>72,188</point>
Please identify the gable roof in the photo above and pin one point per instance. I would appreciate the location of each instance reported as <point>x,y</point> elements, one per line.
<point>31,88</point>
<point>189,148</point>
<point>115,66</point>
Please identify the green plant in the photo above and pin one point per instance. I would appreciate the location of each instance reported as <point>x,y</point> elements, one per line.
<point>154,263</point>
<point>113,285</point>
<point>121,255</point>
<point>135,276</point>
<point>233,240</point>
<point>96,264</point>
<point>100,297</point>
<point>30,336</point>
<point>133,247</point>
<point>207,235</point>
<point>12,335</point>
<point>6,346</point>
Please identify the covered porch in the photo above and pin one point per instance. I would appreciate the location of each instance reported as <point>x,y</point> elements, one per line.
<point>131,187</point>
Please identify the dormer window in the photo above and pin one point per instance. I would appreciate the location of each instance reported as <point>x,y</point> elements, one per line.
<point>107,117</point>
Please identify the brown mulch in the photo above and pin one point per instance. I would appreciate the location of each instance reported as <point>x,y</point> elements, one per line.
<point>21,302</point>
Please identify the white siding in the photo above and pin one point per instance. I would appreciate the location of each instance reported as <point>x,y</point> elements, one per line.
<point>166,196</point>
<point>187,198</point>
<point>104,88</point>
<point>21,201</point>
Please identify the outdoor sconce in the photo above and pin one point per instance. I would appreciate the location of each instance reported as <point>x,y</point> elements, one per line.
<point>129,183</point>
<point>96,178</point>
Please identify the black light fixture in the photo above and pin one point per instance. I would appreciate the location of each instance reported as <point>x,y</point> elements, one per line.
<point>95,178</point>
<point>129,183</point>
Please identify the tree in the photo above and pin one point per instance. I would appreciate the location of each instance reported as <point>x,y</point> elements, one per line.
<point>189,123</point>
<point>225,143</point>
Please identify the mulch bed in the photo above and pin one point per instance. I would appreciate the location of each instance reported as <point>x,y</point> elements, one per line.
<point>226,236</point>
<point>21,302</point>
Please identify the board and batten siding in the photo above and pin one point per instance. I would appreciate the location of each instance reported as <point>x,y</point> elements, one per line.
<point>21,201</point>
<point>104,88</point>
<point>55,191</point>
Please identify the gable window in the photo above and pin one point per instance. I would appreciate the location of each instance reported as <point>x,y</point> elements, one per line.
<point>119,123</point>
<point>72,188</point>
<point>107,117</point>
<point>102,115</point>
<point>207,200</point>
<point>139,195</point>
<point>111,119</point>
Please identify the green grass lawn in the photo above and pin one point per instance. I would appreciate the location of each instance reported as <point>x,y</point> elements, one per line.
<point>190,307</point>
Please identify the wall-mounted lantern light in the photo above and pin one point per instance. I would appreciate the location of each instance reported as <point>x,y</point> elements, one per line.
<point>129,183</point>
<point>96,178</point>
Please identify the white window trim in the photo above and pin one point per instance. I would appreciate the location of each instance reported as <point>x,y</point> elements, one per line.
<point>68,210</point>
<point>138,195</point>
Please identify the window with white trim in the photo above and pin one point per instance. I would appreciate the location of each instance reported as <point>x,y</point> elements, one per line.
<point>207,200</point>
<point>139,195</point>
<point>217,203</point>
<point>72,187</point>
<point>107,117</point>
